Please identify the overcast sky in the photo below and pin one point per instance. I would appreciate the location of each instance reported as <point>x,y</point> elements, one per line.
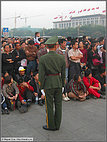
<point>44,12</point>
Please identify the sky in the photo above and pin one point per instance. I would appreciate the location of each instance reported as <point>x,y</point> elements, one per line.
<point>41,14</point>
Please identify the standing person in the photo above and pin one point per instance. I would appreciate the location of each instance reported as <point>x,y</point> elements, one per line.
<point>30,52</point>
<point>64,51</point>
<point>94,62</point>
<point>42,50</point>
<point>74,55</point>
<point>37,36</point>
<point>83,60</point>
<point>52,79</point>
<point>18,54</point>
<point>7,60</point>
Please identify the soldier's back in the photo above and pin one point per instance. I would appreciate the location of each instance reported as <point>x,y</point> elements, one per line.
<point>53,64</point>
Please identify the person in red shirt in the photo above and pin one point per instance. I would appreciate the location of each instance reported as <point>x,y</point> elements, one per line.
<point>25,92</point>
<point>83,60</point>
<point>92,85</point>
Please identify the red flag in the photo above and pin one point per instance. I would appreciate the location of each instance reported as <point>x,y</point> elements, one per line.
<point>88,9</point>
<point>81,11</point>
<point>60,17</point>
<point>70,12</point>
<point>73,12</point>
<point>93,8</point>
<point>97,7</point>
<point>84,9</point>
<point>55,17</point>
<point>104,11</point>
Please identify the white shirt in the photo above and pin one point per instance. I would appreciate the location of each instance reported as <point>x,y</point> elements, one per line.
<point>74,53</point>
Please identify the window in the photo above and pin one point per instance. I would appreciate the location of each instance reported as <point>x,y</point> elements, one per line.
<point>84,19</point>
<point>92,22</point>
<point>69,24</point>
<point>84,23</point>
<point>88,22</point>
<point>76,23</point>
<point>96,22</point>
<point>103,22</point>
<point>80,23</point>
<point>73,24</point>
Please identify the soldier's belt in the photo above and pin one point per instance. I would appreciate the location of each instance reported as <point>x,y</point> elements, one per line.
<point>54,74</point>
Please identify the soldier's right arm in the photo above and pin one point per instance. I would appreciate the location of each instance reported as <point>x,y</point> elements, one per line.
<point>41,73</point>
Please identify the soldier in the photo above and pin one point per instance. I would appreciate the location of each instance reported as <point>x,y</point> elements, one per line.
<point>52,80</point>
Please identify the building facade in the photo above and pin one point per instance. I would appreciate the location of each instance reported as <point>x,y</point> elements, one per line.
<point>97,19</point>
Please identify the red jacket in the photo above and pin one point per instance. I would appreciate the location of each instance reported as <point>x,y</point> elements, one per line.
<point>21,91</point>
<point>89,82</point>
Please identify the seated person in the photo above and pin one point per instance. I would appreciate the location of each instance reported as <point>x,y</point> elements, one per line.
<point>4,108</point>
<point>101,78</point>
<point>10,91</point>
<point>76,88</point>
<point>92,85</point>
<point>25,92</point>
<point>22,75</point>
<point>37,92</point>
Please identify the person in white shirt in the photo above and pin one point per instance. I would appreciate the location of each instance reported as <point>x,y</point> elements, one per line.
<point>74,55</point>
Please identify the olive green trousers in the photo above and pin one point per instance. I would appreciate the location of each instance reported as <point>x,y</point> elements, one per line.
<point>53,102</point>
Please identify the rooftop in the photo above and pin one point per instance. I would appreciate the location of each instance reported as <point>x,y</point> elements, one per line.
<point>78,17</point>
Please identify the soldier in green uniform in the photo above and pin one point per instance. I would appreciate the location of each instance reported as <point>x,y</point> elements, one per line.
<point>52,80</point>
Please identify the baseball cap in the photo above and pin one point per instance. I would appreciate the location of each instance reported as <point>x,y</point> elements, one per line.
<point>21,69</point>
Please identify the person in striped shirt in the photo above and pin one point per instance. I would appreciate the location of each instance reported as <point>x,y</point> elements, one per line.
<point>76,88</point>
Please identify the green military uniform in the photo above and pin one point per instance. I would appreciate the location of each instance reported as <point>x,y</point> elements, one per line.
<point>52,79</point>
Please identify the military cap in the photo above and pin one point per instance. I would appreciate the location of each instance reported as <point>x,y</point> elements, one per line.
<point>52,40</point>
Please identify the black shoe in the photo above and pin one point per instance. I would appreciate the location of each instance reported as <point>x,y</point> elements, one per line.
<point>23,108</point>
<point>43,101</point>
<point>94,97</point>
<point>29,102</point>
<point>40,103</point>
<point>50,129</point>
<point>2,111</point>
<point>18,104</point>
<point>88,97</point>
<point>102,97</point>
<point>7,111</point>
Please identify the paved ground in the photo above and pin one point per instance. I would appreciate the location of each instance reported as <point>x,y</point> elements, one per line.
<point>81,121</point>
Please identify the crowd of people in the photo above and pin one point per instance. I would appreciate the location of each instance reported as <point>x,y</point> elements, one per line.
<point>85,70</point>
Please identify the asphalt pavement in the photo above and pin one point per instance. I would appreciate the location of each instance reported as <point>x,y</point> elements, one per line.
<point>81,121</point>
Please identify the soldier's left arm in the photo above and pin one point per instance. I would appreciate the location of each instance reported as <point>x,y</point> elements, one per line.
<point>63,72</point>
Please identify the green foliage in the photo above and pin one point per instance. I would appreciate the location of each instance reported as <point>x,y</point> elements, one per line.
<point>93,31</point>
